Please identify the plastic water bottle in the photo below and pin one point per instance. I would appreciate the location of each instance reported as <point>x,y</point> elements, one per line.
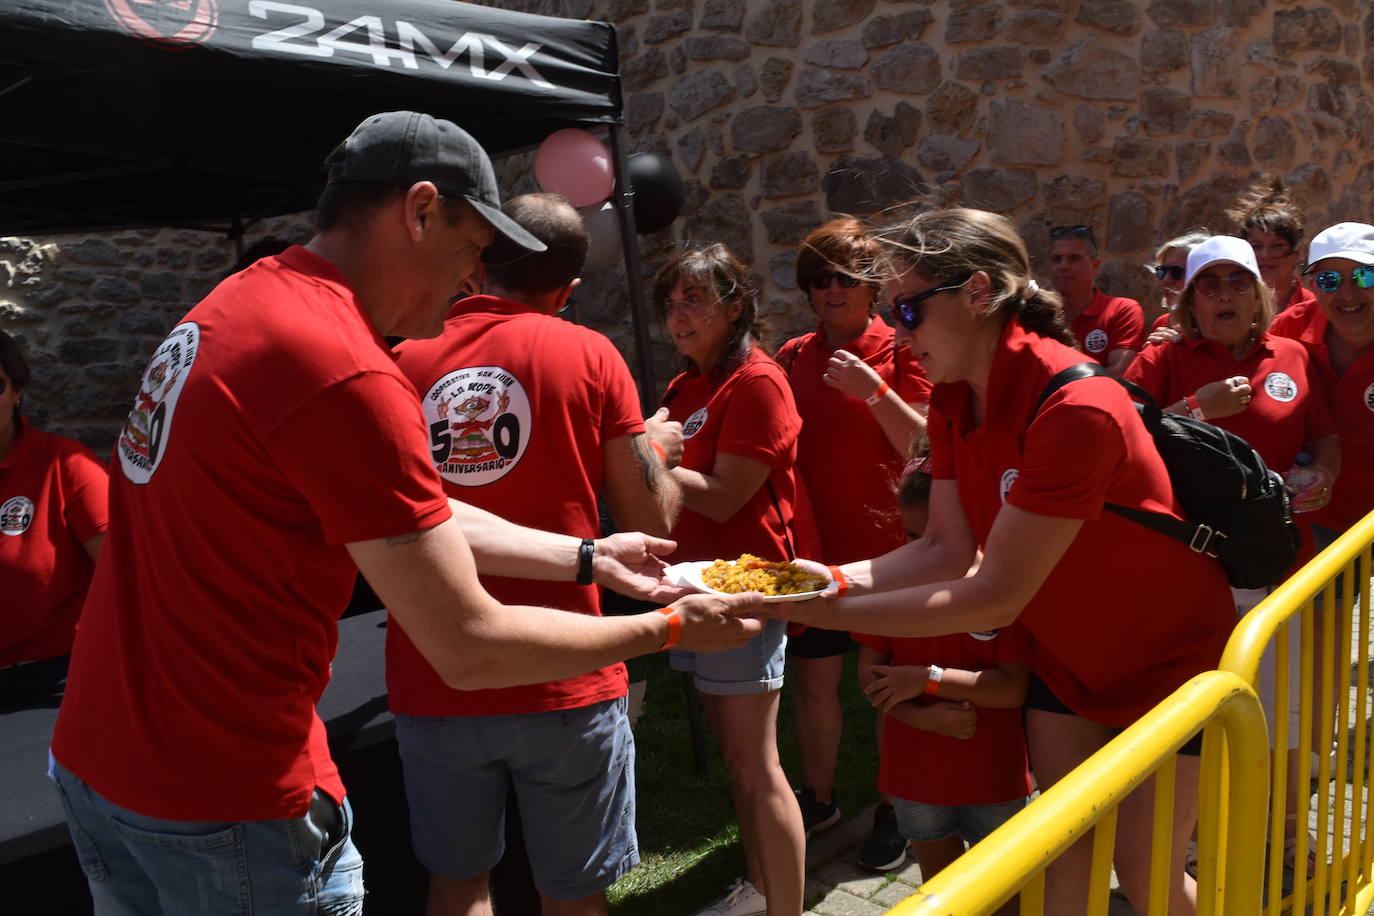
<point>1302,476</point>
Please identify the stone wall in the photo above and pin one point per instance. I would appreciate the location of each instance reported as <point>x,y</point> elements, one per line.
<point>1139,118</point>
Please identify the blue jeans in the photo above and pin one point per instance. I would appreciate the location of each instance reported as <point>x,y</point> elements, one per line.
<point>142,866</point>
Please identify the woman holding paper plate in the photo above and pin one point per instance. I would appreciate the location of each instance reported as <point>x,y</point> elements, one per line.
<point>740,495</point>
<point>1028,484</point>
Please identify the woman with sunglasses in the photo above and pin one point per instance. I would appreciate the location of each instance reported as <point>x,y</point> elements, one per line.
<point>1171,262</point>
<point>52,522</point>
<point>740,495</point>
<point>1028,483</point>
<point>862,401</point>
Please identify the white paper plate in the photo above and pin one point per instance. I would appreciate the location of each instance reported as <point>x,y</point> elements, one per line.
<point>688,575</point>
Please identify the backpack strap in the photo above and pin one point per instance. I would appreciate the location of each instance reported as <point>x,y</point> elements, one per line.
<point>1201,538</point>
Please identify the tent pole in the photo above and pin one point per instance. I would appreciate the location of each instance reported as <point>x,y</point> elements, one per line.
<point>629,244</point>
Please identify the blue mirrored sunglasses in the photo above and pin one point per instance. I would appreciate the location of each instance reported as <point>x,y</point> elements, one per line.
<point>1328,281</point>
<point>909,311</point>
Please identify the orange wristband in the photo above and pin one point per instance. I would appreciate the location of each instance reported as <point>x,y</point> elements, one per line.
<point>839,577</point>
<point>674,627</point>
<point>882,389</point>
<point>661,453</point>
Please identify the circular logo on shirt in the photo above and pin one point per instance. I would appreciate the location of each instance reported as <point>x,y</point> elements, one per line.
<point>1096,341</point>
<point>479,424</point>
<point>694,423</point>
<point>1008,478</point>
<point>1280,386</point>
<point>16,515</point>
<point>984,635</point>
<point>143,440</point>
<point>1369,397</point>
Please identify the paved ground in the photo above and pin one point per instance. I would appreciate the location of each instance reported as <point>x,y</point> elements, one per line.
<point>835,886</point>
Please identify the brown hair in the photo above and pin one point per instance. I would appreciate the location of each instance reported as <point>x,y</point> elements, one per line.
<point>15,365</point>
<point>552,220</point>
<point>842,244</point>
<point>717,268</point>
<point>1266,207</point>
<point>1187,323</point>
<point>947,246</point>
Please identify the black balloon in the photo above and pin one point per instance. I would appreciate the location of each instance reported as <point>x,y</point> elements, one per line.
<point>657,191</point>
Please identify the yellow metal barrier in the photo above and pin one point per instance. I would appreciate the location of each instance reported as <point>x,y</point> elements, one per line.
<point>1013,859</point>
<point>1329,601</point>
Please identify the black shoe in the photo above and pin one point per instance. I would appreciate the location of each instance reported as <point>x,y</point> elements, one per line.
<point>815,815</point>
<point>885,848</point>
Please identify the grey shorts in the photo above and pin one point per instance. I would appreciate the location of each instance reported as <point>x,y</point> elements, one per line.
<point>923,823</point>
<point>755,667</point>
<point>573,772</point>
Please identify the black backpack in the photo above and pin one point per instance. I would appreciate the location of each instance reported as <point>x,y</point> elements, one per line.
<point>1239,507</point>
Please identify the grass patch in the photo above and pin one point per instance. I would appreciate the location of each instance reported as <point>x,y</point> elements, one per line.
<point>688,837</point>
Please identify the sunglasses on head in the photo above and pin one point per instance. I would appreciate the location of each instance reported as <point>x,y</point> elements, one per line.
<point>824,279</point>
<point>909,311</point>
<point>1079,232</point>
<point>1328,281</point>
<point>1210,284</point>
<point>1169,272</point>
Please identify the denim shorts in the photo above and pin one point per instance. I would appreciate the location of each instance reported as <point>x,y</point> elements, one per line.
<point>144,866</point>
<point>923,823</point>
<point>755,667</point>
<point>573,773</point>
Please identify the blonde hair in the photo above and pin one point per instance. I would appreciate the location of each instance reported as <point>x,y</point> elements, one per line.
<point>947,246</point>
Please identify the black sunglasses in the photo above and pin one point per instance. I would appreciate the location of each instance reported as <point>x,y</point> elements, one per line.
<point>1169,272</point>
<point>823,279</point>
<point>1082,232</point>
<point>1328,281</point>
<point>909,311</point>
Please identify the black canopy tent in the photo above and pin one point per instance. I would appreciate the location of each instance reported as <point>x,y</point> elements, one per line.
<point>211,114</point>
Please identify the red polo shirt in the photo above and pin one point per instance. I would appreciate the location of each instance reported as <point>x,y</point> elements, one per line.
<point>1111,636</point>
<point>1108,324</point>
<point>52,500</point>
<point>1351,396</point>
<point>850,468</point>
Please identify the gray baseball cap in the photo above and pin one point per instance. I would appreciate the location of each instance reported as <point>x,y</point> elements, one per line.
<point>402,147</point>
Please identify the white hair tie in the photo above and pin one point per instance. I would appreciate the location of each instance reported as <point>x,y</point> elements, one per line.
<point>1031,289</point>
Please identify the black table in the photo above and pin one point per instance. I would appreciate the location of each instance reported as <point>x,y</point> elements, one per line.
<point>353,709</point>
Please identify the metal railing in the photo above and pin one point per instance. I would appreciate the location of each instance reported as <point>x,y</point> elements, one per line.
<point>1243,801</point>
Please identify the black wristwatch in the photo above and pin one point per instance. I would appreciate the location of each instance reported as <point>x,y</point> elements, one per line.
<point>585,552</point>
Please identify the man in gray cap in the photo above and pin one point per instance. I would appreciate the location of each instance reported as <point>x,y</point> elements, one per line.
<point>273,445</point>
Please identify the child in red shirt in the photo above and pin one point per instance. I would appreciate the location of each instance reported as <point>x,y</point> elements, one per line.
<point>953,751</point>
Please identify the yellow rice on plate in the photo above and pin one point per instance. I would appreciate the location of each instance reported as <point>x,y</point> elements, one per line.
<point>752,574</point>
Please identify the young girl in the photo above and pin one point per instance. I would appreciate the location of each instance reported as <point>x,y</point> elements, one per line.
<point>953,751</point>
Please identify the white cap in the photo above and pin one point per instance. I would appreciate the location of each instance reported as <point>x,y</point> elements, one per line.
<point>1343,240</point>
<point>1221,248</point>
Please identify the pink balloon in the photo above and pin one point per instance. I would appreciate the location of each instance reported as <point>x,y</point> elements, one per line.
<point>575,164</point>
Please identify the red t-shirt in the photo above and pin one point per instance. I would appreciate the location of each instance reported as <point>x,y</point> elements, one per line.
<point>1111,635</point>
<point>1161,321</point>
<point>750,414</point>
<point>1301,296</point>
<point>987,769</point>
<point>1351,396</point>
<point>271,428</point>
<point>849,467</point>
<point>519,405</point>
<point>1108,324</point>
<point>52,500</point>
<point>1294,320</point>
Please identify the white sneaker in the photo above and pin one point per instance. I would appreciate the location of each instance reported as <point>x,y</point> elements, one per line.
<point>742,900</point>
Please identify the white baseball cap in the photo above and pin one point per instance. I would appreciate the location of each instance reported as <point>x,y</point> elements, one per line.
<point>1221,248</point>
<point>1343,240</point>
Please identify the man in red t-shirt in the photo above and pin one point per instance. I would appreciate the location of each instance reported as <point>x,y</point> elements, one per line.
<point>273,450</point>
<point>532,418</point>
<point>1110,329</point>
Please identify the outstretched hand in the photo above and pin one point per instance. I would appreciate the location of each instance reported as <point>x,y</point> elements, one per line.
<point>628,563</point>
